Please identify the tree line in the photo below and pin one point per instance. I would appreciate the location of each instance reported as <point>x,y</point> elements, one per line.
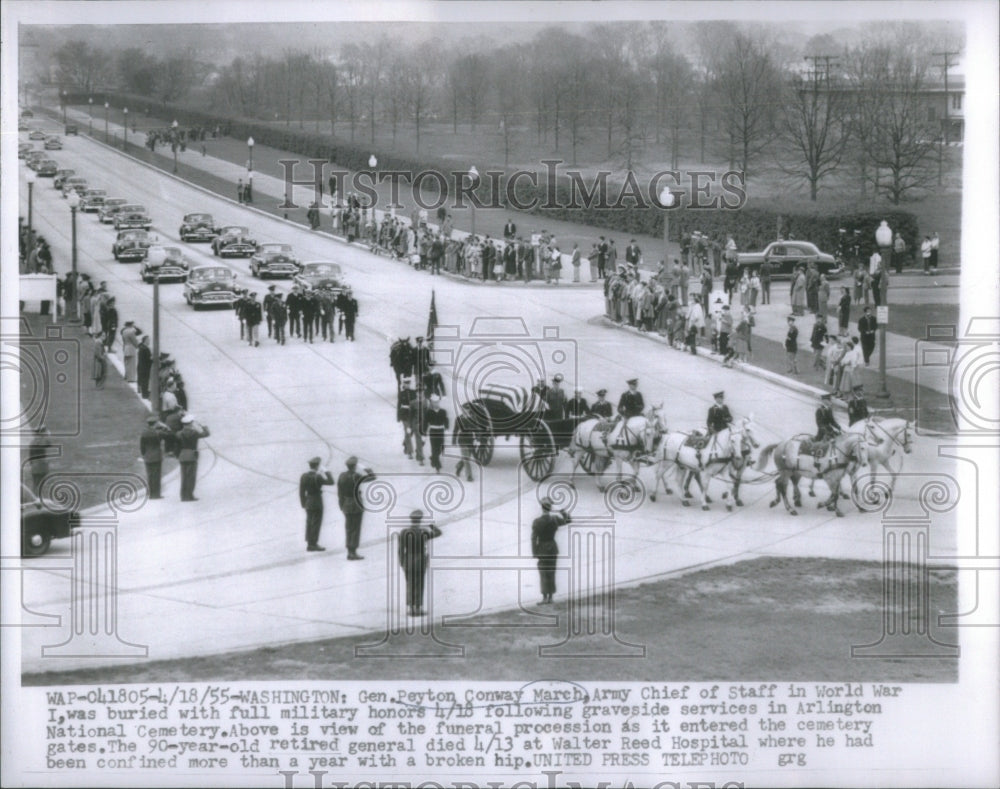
<point>720,92</point>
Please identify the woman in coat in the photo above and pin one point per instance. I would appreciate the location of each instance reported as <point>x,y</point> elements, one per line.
<point>798,293</point>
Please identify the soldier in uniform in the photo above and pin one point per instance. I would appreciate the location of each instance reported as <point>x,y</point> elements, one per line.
<point>631,403</point>
<point>311,498</point>
<point>414,557</point>
<point>348,306</point>
<point>422,364</point>
<point>555,399</point>
<point>435,427</point>
<point>151,449</point>
<point>294,304</point>
<point>326,314</point>
<point>576,406</point>
<point>187,441</point>
<point>253,315</point>
<point>348,484</point>
<point>827,427</point>
<point>268,302</point>
<point>719,418</point>
<point>542,390</point>
<point>308,305</point>
<point>240,307</point>
<point>279,314</point>
<point>857,406</point>
<point>544,547</point>
<point>406,404</point>
<point>601,407</point>
<point>463,436</point>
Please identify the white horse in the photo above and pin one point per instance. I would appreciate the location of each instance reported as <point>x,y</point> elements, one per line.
<point>887,440</point>
<point>728,450</point>
<point>637,439</point>
<point>849,452</point>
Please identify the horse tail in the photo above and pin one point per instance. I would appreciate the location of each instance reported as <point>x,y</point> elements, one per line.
<point>765,455</point>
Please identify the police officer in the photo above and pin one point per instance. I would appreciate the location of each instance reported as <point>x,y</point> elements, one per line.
<point>631,403</point>
<point>827,426</point>
<point>857,406</point>
<point>544,547</point>
<point>577,407</point>
<point>414,557</point>
<point>435,426</point>
<point>601,407</point>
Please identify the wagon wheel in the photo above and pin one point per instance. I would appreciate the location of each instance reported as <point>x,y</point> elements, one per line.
<point>593,463</point>
<point>538,452</point>
<point>482,448</point>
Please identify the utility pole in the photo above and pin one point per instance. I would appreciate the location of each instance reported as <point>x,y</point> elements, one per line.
<point>946,65</point>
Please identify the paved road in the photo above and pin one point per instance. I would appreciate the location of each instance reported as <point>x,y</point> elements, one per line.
<point>231,571</point>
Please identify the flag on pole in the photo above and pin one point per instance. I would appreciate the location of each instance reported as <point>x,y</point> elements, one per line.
<point>432,322</point>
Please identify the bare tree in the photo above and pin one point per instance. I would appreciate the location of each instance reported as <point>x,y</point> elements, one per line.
<point>375,56</point>
<point>420,85</point>
<point>353,73</point>
<point>510,73</point>
<point>81,66</point>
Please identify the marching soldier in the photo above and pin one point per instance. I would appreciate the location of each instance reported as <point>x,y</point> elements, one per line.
<point>308,305</point>
<point>326,313</point>
<point>240,307</point>
<point>601,407</point>
<point>279,314</point>
<point>435,427</point>
<point>422,363</point>
<point>406,404</point>
<point>348,306</point>
<point>857,406</point>
<point>253,316</point>
<point>268,303</point>
<point>294,304</point>
<point>576,406</point>
<point>463,437</point>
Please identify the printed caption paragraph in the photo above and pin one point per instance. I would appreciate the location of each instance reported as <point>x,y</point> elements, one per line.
<point>653,729</point>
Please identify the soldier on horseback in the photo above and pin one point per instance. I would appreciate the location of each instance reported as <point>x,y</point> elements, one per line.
<point>630,404</point>
<point>719,418</point>
<point>827,428</point>
<point>857,406</point>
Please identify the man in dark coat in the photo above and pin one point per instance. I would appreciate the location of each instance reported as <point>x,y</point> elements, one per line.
<point>151,449</point>
<point>464,436</point>
<point>631,402</point>
<point>348,306</point>
<point>406,404</point>
<point>309,306</point>
<point>601,407</point>
<point>39,452</point>
<point>109,321</point>
<point>268,303</point>
<point>187,442</point>
<point>827,426</point>
<point>254,316</point>
<point>349,497</point>
<point>435,428</point>
<point>311,498</point>
<point>279,317</point>
<point>857,406</point>
<point>577,407</point>
<point>294,306</point>
<point>414,558</point>
<point>144,366</point>
<point>509,230</point>
<point>544,547</point>
<point>867,330</point>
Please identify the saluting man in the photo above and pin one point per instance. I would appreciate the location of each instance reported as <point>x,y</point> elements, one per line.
<point>311,498</point>
<point>414,557</point>
<point>544,547</point>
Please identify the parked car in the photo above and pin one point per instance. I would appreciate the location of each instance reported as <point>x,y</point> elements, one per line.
<point>110,207</point>
<point>62,175</point>
<point>197,227</point>
<point>234,241</point>
<point>42,522</point>
<point>71,128</point>
<point>26,113</point>
<point>173,268</point>
<point>785,256</point>
<point>132,215</point>
<point>92,200</point>
<point>33,158</point>
<point>75,183</point>
<point>274,260</point>
<point>321,275</point>
<point>209,286</point>
<point>131,245</point>
<point>47,168</point>
<point>37,134</point>
<point>23,149</point>
<point>53,144</point>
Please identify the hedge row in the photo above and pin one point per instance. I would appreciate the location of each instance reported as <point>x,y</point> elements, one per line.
<point>751,227</point>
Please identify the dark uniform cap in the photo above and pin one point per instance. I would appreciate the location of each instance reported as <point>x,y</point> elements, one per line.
<point>314,462</point>
<point>859,387</point>
<point>632,382</point>
<point>271,287</point>
<point>546,503</point>
<point>601,392</point>
<point>151,420</point>
<point>416,516</point>
<point>352,461</point>
<point>826,396</point>
<point>717,395</point>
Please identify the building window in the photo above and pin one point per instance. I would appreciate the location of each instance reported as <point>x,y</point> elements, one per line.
<point>956,101</point>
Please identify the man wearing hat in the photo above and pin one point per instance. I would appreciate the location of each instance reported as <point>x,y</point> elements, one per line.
<point>434,427</point>
<point>719,418</point>
<point>631,402</point>
<point>422,363</point>
<point>577,407</point>
<point>151,449</point>
<point>348,306</point>
<point>311,498</point>
<point>464,437</point>
<point>39,452</point>
<point>130,350</point>
<point>601,407</point>
<point>555,399</point>
<point>867,331</point>
<point>268,301</point>
<point>414,558</point>
<point>792,346</point>
<point>253,316</point>
<point>349,498</point>
<point>408,410</point>
<point>187,443</point>
<point>827,426</point>
<point>278,314</point>
<point>144,366</point>
<point>857,406</point>
<point>544,547</point>
<point>294,305</point>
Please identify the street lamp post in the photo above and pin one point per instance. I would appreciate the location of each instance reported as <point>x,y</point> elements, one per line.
<point>249,189</point>
<point>156,258</point>
<point>64,107</point>
<point>105,122</point>
<point>173,137</point>
<point>883,237</point>
<point>373,163</point>
<point>473,180</point>
<point>74,202</point>
<point>30,179</point>
<point>90,112</point>
<point>667,199</point>
<point>125,113</point>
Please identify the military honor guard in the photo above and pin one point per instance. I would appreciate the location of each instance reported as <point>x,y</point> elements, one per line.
<point>414,558</point>
<point>311,498</point>
<point>544,547</point>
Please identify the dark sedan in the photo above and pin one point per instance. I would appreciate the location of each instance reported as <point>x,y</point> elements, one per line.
<point>41,523</point>
<point>786,256</point>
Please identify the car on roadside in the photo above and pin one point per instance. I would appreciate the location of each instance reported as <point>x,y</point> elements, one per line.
<point>37,134</point>
<point>47,168</point>
<point>22,126</point>
<point>166,264</point>
<point>786,256</point>
<point>23,149</point>
<point>274,260</point>
<point>234,241</point>
<point>132,215</point>
<point>33,158</point>
<point>43,521</point>
<point>208,286</point>
<point>110,207</point>
<point>197,227</point>
<point>130,246</point>
<point>75,183</point>
<point>27,113</point>
<point>92,200</point>
<point>72,128</point>
<point>62,175</point>
<point>321,275</point>
<point>53,144</point>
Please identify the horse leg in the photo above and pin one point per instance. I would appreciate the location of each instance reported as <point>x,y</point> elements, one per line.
<point>779,492</point>
<point>812,487</point>
<point>736,488</point>
<point>796,493</point>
